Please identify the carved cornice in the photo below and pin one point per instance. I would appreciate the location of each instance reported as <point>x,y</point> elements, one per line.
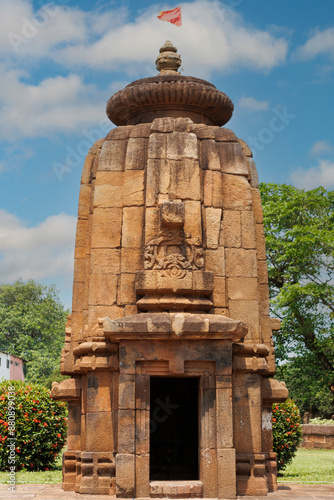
<point>170,92</point>
<point>167,326</point>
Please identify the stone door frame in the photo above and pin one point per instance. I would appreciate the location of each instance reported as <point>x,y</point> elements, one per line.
<point>211,362</point>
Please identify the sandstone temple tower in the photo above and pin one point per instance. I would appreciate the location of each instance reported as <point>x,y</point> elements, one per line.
<point>169,346</point>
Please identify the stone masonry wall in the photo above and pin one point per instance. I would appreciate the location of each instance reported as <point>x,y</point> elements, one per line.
<point>126,177</point>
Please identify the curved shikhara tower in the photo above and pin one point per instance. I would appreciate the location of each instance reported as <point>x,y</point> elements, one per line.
<point>169,345</point>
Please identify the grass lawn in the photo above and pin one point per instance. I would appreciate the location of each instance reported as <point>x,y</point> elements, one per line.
<point>42,477</point>
<point>310,467</point>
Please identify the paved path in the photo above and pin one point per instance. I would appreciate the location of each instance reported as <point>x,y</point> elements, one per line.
<point>54,492</point>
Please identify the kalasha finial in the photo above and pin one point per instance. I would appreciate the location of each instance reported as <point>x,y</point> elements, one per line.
<point>168,61</point>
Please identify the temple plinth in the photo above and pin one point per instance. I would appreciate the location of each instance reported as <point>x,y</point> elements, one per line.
<point>169,345</point>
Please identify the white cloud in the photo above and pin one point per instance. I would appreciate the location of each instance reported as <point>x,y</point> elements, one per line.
<point>321,147</point>
<point>253,104</point>
<point>322,42</point>
<point>27,32</point>
<point>55,104</point>
<point>321,175</point>
<point>44,251</point>
<point>213,37</point>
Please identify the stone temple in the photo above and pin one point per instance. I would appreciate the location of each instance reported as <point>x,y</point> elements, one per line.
<point>169,345</point>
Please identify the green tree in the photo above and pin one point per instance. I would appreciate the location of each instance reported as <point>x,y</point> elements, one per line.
<point>299,229</point>
<point>32,323</point>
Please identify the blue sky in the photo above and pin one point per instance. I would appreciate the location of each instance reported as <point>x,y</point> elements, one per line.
<point>60,62</point>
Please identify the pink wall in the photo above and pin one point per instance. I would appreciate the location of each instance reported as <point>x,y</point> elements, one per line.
<point>16,368</point>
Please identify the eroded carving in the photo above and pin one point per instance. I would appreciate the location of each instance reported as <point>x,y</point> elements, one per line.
<point>174,252</point>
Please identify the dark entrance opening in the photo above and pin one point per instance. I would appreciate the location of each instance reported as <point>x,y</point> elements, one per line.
<point>174,429</point>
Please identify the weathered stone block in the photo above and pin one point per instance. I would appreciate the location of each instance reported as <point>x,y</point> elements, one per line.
<point>217,190</point>
<point>212,226</point>
<point>203,131</point>
<point>240,262</point>
<point>102,289</point>
<point>164,180</point>
<point>141,130</point>
<point>236,192</point>
<point>108,189</point>
<point>231,229</point>
<point>209,472</point>
<point>253,173</point>
<point>112,155</point>
<point>247,311</point>
<point>224,135</point>
<point>164,125</point>
<point>262,271</point>
<point>81,233</point>
<point>130,309</point>
<point>142,431</point>
<point>172,214</point>
<point>133,188</point>
<point>209,155</point>
<point>219,292</point>
<point>246,149</point>
<point>132,260</point>
<point>203,280</point>
<point>257,205</point>
<point>181,145</point>
<point>135,154</point>
<point>226,473</point>
<point>184,180</point>
<point>78,296</point>
<point>151,224</point>
<point>126,293</point>
<point>264,299</point>
<point>242,288</point>
<point>87,167</point>
<point>79,270</point>
<point>224,418</point>
<point>125,475</point>
<point>96,437</point>
<point>260,242</point>
<point>183,124</point>
<point>143,476</point>
<point>99,392</point>
<point>120,133</point>
<point>127,399</point>
<point>84,201</point>
<point>105,260</point>
<point>126,431</point>
<point>215,261</point>
<point>208,188</point>
<point>232,158</point>
<point>154,167</point>
<point>193,219</point>
<point>248,230</point>
<point>106,228</point>
<point>132,227</point>
<point>157,145</point>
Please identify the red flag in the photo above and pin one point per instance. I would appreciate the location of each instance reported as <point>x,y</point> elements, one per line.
<point>172,16</point>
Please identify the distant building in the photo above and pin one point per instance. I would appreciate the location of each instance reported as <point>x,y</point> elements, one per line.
<point>11,367</point>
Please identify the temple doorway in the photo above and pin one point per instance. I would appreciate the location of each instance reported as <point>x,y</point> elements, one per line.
<point>174,428</point>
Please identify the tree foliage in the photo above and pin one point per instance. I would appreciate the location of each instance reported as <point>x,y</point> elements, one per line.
<point>299,229</point>
<point>32,323</point>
